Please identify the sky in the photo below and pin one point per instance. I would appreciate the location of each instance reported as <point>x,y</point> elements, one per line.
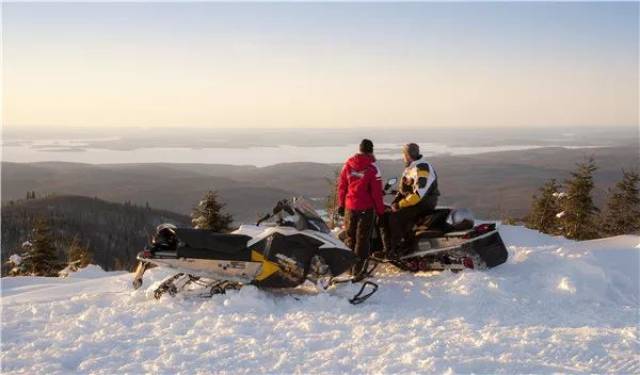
<point>330,65</point>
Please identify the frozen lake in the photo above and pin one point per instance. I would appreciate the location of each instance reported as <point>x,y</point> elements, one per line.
<point>75,151</point>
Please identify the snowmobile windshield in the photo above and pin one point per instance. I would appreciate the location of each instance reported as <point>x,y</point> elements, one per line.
<point>298,213</point>
<point>311,218</point>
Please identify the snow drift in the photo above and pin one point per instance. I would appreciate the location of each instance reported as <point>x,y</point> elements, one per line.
<point>555,306</point>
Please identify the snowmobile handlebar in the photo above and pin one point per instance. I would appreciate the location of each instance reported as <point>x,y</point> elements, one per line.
<point>280,206</point>
<point>265,217</point>
<point>390,182</point>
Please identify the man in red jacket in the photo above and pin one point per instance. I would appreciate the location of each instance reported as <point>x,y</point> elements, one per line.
<point>360,199</point>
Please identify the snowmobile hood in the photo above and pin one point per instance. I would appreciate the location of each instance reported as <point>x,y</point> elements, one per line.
<point>359,162</point>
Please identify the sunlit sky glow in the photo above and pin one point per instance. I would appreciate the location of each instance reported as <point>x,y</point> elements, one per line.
<point>339,65</point>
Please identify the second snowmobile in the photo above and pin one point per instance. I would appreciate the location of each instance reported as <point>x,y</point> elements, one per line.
<point>447,239</point>
<point>283,249</point>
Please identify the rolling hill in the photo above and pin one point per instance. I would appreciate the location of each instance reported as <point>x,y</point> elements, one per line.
<point>494,185</point>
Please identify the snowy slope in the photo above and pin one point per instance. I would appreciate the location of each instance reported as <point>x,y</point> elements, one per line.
<point>556,306</point>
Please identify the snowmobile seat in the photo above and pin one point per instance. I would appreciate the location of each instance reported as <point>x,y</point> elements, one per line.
<point>435,220</point>
<point>459,233</point>
<point>217,242</point>
<point>429,233</point>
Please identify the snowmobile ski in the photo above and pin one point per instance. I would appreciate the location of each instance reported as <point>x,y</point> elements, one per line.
<point>180,282</point>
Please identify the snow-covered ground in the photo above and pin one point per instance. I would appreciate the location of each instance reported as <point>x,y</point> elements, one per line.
<point>555,306</point>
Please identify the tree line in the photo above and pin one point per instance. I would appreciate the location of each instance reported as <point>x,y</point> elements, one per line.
<point>39,256</point>
<point>52,243</point>
<point>568,209</point>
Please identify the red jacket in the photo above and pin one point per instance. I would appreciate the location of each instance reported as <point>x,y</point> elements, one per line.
<point>360,185</point>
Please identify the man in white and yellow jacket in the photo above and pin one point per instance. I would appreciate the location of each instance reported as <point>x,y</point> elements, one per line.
<point>417,197</point>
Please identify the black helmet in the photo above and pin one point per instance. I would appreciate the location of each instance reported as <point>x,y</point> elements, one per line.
<point>460,219</point>
<point>166,236</point>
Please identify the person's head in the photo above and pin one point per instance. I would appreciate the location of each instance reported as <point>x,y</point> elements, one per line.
<point>410,153</point>
<point>366,146</point>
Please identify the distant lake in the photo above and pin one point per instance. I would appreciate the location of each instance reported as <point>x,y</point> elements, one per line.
<point>73,151</point>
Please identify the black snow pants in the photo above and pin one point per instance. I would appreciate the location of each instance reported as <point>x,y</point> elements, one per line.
<point>398,225</point>
<point>359,227</point>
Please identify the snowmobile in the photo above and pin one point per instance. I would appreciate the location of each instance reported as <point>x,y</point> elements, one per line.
<point>447,239</point>
<point>285,248</point>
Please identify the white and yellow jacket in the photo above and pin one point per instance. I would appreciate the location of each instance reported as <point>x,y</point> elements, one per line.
<point>424,183</point>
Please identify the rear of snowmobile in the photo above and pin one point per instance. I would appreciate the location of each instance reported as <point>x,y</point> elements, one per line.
<point>479,247</point>
<point>447,239</point>
<point>283,250</point>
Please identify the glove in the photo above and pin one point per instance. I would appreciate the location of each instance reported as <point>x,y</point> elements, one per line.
<point>341,211</point>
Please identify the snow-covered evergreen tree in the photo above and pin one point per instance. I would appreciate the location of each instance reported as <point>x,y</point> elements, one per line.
<point>16,262</point>
<point>579,212</point>
<point>545,209</point>
<point>622,215</point>
<point>42,259</point>
<point>209,214</point>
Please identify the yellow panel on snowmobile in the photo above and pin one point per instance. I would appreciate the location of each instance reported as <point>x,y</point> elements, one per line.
<point>268,267</point>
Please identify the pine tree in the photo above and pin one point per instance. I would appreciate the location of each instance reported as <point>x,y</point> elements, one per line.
<point>42,259</point>
<point>209,214</point>
<point>332,199</point>
<point>578,216</point>
<point>76,252</point>
<point>545,208</point>
<point>623,207</point>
